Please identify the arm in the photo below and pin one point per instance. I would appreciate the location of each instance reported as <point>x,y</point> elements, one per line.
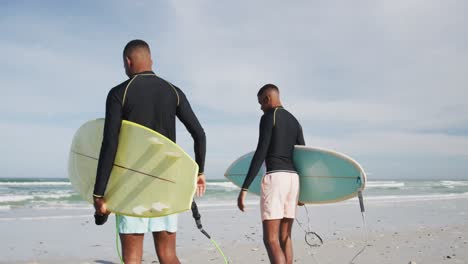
<point>190,121</point>
<point>266,127</point>
<point>109,145</point>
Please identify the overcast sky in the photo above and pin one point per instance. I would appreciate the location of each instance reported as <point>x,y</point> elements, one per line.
<point>384,82</point>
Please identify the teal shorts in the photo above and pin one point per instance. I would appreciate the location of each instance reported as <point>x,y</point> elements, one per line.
<point>137,225</point>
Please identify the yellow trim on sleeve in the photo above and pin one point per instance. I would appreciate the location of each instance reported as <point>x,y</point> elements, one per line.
<point>125,93</point>
<point>274,116</point>
<point>175,90</point>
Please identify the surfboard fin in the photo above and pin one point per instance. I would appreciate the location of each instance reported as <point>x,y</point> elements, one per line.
<point>173,154</point>
<point>155,141</point>
<point>139,210</point>
<point>159,206</point>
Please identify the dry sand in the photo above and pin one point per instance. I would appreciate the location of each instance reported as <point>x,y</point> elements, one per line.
<point>425,232</point>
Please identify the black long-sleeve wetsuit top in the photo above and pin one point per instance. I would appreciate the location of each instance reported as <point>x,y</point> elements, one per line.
<point>152,102</point>
<point>279,132</point>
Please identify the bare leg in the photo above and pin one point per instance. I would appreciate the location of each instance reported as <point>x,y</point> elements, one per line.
<point>132,248</point>
<point>285,238</point>
<point>165,245</point>
<point>271,240</point>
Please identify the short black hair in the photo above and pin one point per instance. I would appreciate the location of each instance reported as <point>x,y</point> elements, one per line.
<point>134,45</point>
<point>267,87</point>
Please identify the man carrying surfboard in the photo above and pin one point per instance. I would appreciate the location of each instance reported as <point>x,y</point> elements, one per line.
<point>279,132</point>
<point>150,101</point>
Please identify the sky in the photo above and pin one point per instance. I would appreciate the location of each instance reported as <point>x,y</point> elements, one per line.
<point>381,81</point>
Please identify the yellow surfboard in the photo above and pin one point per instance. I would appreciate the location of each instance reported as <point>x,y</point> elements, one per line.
<point>152,176</point>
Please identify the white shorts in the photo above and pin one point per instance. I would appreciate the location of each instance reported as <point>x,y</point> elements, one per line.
<point>279,195</point>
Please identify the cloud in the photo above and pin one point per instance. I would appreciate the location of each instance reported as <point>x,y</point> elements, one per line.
<point>34,150</point>
<point>379,80</point>
<point>381,116</point>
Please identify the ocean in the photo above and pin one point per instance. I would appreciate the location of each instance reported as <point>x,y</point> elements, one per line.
<point>55,193</point>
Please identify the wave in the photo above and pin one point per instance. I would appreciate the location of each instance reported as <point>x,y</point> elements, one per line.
<point>453,184</point>
<point>205,204</point>
<point>35,218</point>
<point>53,196</point>
<point>16,198</point>
<point>423,185</point>
<point>230,186</point>
<point>226,185</point>
<point>384,184</point>
<point>409,198</point>
<point>21,198</point>
<point>35,183</point>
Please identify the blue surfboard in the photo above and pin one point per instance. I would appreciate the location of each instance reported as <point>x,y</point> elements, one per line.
<point>326,176</point>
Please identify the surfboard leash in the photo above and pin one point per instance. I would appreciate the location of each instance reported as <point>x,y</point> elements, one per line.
<point>366,233</point>
<point>196,215</point>
<point>310,236</point>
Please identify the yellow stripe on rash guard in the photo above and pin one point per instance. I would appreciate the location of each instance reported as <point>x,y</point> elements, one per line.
<point>274,116</point>
<point>148,74</point>
<point>175,90</point>
<point>128,85</point>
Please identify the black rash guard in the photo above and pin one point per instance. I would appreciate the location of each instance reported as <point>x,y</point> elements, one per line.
<point>279,132</point>
<point>152,102</point>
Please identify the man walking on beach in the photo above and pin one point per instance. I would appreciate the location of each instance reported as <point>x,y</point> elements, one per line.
<point>279,132</point>
<point>152,102</point>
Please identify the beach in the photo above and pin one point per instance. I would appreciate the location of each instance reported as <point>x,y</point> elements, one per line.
<point>400,229</point>
<point>372,94</point>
